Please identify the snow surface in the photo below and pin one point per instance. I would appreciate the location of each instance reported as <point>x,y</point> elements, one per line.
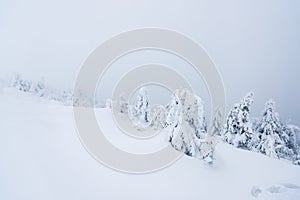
<point>41,157</point>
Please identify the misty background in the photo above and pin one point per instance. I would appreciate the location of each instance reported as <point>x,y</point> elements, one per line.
<point>254,44</point>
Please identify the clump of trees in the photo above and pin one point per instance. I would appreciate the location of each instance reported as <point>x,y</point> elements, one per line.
<point>38,88</point>
<point>184,117</point>
<point>267,135</point>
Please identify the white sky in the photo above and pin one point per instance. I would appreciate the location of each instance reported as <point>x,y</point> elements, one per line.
<point>254,43</point>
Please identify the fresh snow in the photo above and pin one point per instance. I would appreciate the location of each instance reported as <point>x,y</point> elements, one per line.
<point>41,157</point>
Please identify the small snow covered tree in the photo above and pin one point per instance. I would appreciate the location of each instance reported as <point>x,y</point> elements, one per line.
<point>174,115</point>
<point>268,131</point>
<point>274,138</point>
<point>208,145</point>
<point>185,106</point>
<point>53,95</point>
<point>294,143</point>
<point>120,105</point>
<point>67,97</point>
<point>138,113</point>
<point>186,121</point>
<point>108,103</point>
<point>38,88</point>
<point>21,84</point>
<point>217,123</point>
<point>184,139</point>
<point>296,133</point>
<point>207,148</point>
<point>158,117</point>
<point>16,80</point>
<point>80,99</point>
<point>238,126</point>
<point>291,150</point>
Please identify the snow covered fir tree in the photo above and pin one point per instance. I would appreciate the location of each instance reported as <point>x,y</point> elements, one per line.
<point>211,138</point>
<point>38,88</point>
<point>158,117</point>
<point>186,122</point>
<point>139,111</point>
<point>21,84</point>
<point>238,127</point>
<point>273,137</point>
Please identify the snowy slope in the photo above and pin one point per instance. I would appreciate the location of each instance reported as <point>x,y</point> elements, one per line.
<point>41,157</point>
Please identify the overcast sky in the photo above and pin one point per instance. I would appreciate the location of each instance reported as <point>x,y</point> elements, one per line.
<point>254,43</point>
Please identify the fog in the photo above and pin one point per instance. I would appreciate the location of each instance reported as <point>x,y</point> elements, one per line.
<point>254,44</point>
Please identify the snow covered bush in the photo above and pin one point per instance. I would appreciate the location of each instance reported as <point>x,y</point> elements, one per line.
<point>21,84</point>
<point>139,112</point>
<point>238,127</point>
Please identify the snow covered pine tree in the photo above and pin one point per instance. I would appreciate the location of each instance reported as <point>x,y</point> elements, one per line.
<point>186,121</point>
<point>274,138</point>
<point>67,97</point>
<point>238,126</point>
<point>208,146</point>
<point>80,99</point>
<point>295,134</point>
<point>38,88</point>
<point>21,84</point>
<point>120,105</point>
<point>138,113</point>
<point>158,117</point>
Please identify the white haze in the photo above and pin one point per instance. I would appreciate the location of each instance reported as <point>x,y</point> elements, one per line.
<point>255,44</point>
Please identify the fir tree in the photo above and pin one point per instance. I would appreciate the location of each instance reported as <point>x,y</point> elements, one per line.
<point>186,121</point>
<point>81,99</point>
<point>120,105</point>
<point>67,97</point>
<point>139,112</point>
<point>108,103</point>
<point>38,88</point>
<point>158,117</point>
<point>274,138</point>
<point>208,145</point>
<point>238,126</point>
